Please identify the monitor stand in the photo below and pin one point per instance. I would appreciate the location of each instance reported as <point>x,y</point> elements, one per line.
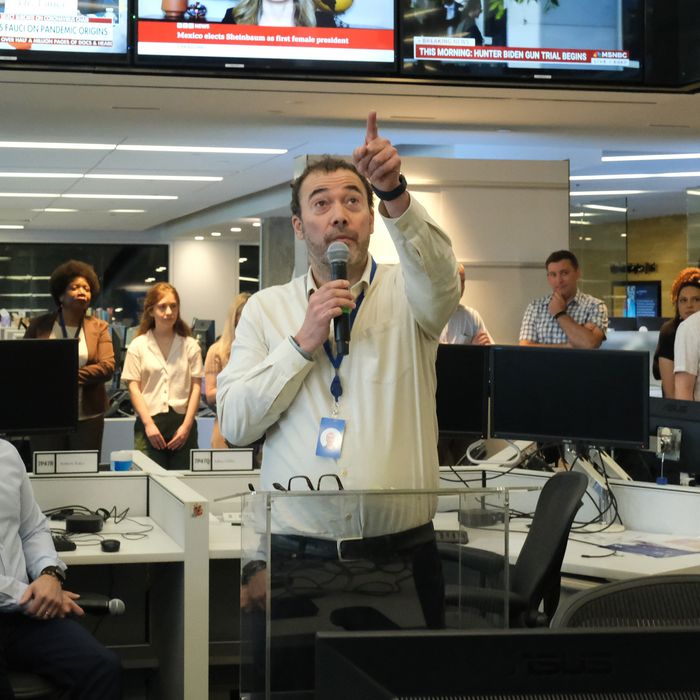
<point>599,484</point>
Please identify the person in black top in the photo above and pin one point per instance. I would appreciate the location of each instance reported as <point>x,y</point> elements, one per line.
<point>685,294</point>
<point>467,27</point>
<point>292,13</point>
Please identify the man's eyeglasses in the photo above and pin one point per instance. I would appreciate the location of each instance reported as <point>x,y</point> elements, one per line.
<point>300,482</point>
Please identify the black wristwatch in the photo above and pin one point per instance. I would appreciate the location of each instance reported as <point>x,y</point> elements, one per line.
<point>55,572</point>
<point>559,314</point>
<point>388,195</point>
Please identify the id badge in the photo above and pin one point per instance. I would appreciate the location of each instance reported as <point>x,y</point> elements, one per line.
<point>330,438</point>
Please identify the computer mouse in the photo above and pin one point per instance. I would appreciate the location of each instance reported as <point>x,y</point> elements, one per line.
<point>110,545</point>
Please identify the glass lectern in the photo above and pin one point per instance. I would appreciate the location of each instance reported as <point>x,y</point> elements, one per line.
<point>362,560</point>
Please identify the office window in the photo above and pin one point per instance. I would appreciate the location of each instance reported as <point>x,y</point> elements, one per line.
<point>125,272</point>
<point>249,268</point>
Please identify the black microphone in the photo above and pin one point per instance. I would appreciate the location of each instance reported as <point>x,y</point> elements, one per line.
<point>338,254</point>
<point>96,604</point>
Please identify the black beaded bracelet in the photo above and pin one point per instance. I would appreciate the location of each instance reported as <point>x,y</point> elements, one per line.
<point>388,195</point>
<point>559,313</point>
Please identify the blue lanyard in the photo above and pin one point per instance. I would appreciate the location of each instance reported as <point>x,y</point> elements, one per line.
<point>336,386</point>
<point>62,323</point>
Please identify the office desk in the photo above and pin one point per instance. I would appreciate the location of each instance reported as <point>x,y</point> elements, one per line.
<point>155,546</point>
<point>658,514</point>
<point>171,564</point>
<point>583,555</point>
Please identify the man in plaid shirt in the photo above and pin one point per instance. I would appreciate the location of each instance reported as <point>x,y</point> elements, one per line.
<point>567,317</point>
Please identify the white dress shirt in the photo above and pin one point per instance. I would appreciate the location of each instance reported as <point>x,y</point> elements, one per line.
<point>164,383</point>
<point>464,324</point>
<point>686,349</point>
<point>26,547</point>
<point>388,378</point>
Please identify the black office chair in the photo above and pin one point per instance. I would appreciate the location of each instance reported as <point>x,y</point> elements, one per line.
<point>30,685</point>
<point>535,578</point>
<point>668,600</point>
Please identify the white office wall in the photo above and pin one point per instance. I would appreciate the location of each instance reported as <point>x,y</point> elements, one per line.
<point>205,273</point>
<point>504,218</point>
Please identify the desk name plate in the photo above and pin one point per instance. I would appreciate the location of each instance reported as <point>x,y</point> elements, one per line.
<point>68,462</point>
<point>235,459</point>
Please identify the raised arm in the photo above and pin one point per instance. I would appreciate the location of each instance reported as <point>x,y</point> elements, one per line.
<point>425,252</point>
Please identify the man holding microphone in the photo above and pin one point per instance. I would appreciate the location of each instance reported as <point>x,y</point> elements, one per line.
<point>287,380</point>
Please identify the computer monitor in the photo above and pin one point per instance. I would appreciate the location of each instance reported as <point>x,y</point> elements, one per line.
<point>622,323</point>
<point>462,390</point>
<point>507,664</point>
<point>682,415</point>
<point>589,397</point>
<point>651,323</point>
<point>45,398</point>
<point>203,332</point>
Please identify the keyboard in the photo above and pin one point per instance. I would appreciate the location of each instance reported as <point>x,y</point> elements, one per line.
<point>63,543</point>
<point>451,536</point>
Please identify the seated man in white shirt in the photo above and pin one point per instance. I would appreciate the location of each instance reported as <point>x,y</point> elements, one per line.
<point>36,632</point>
<point>465,327</point>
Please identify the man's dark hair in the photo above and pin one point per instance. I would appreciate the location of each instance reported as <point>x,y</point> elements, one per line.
<point>66,272</point>
<point>559,255</point>
<point>327,164</point>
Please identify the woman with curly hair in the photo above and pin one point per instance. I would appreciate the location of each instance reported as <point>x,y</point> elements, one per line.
<point>163,370</point>
<point>279,13</point>
<point>685,294</point>
<point>217,358</point>
<point>73,284</point>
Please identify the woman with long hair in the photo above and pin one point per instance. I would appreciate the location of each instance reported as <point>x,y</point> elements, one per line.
<point>73,285</point>
<point>217,358</point>
<point>279,13</point>
<point>163,370</point>
<point>685,295</point>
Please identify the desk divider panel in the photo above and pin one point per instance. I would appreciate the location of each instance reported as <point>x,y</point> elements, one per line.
<point>213,485</point>
<point>666,509</point>
<point>100,490</point>
<point>184,640</point>
<point>178,581</point>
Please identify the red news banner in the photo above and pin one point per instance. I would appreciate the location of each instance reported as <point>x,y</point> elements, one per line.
<point>444,49</point>
<point>232,34</point>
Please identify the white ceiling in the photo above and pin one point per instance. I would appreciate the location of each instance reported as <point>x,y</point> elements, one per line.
<point>303,117</point>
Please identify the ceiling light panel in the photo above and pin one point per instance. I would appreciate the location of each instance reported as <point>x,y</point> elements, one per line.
<point>58,146</point>
<point>44,176</point>
<point>606,193</point>
<point>649,157</point>
<point>155,178</point>
<point>201,149</point>
<point>636,176</point>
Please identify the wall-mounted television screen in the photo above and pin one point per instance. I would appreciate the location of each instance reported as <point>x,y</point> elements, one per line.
<point>64,30</point>
<point>562,41</point>
<point>633,299</point>
<point>318,35</point>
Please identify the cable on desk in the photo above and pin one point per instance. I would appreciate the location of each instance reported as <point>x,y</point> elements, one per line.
<point>594,544</point>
